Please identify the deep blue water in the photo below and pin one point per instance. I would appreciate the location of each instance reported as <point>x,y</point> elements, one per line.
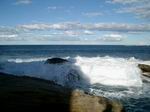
<point>132,104</point>
<point>26,51</point>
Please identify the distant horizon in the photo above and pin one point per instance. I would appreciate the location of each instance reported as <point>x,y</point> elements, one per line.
<point>67,45</point>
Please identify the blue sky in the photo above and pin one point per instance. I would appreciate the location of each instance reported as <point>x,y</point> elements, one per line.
<point>103,22</point>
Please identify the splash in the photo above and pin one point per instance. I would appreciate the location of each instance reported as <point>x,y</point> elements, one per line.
<point>110,71</point>
<point>96,70</point>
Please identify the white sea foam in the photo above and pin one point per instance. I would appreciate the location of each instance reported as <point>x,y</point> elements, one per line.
<point>110,71</point>
<point>103,70</point>
<point>19,60</point>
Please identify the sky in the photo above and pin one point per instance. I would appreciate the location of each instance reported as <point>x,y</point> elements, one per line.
<point>73,22</point>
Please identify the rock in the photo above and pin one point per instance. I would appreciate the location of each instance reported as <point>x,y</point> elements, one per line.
<point>144,67</point>
<point>23,94</point>
<point>28,94</point>
<point>81,102</point>
<point>147,74</point>
<point>73,76</point>
<point>56,61</point>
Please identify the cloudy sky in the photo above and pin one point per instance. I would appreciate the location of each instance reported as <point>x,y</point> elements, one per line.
<point>103,22</point>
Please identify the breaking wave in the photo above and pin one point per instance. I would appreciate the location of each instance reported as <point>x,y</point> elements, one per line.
<point>105,76</point>
<point>102,70</point>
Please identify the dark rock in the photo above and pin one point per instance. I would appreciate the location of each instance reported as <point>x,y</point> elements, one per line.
<point>144,67</point>
<point>56,61</point>
<point>73,76</point>
<point>147,74</point>
<point>22,94</point>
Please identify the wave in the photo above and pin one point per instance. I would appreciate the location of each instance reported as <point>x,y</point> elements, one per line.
<point>19,60</point>
<point>26,60</point>
<point>111,71</point>
<point>102,70</point>
<point>106,76</point>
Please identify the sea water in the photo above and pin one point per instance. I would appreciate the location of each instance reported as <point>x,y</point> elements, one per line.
<point>109,71</point>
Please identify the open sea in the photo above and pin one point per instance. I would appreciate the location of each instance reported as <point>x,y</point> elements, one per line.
<point>105,70</point>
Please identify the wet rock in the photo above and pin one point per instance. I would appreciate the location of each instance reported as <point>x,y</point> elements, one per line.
<point>81,102</point>
<point>23,94</point>
<point>144,67</point>
<point>73,76</point>
<point>147,74</point>
<point>56,61</point>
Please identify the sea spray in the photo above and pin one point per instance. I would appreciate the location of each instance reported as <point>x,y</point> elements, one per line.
<point>110,71</point>
<point>103,70</point>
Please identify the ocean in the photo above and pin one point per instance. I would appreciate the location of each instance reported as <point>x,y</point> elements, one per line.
<point>104,70</point>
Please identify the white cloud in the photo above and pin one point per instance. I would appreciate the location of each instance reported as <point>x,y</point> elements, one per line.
<point>56,26</point>
<point>120,27</point>
<point>47,35</point>
<point>56,38</point>
<point>54,7</point>
<point>140,8</point>
<point>8,30</point>
<point>8,36</point>
<point>139,11</point>
<point>127,1</point>
<point>112,37</point>
<point>71,33</point>
<point>23,2</point>
<point>93,14</point>
<point>141,43</point>
<point>34,26</point>
<point>87,32</point>
<point>8,33</point>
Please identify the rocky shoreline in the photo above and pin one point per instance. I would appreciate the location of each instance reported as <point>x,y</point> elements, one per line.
<point>22,94</point>
<point>145,69</point>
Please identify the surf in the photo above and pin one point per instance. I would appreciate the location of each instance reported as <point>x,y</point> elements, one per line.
<point>102,70</point>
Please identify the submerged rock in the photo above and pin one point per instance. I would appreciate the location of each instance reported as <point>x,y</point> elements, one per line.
<point>56,61</point>
<point>73,76</point>
<point>82,102</point>
<point>145,69</point>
